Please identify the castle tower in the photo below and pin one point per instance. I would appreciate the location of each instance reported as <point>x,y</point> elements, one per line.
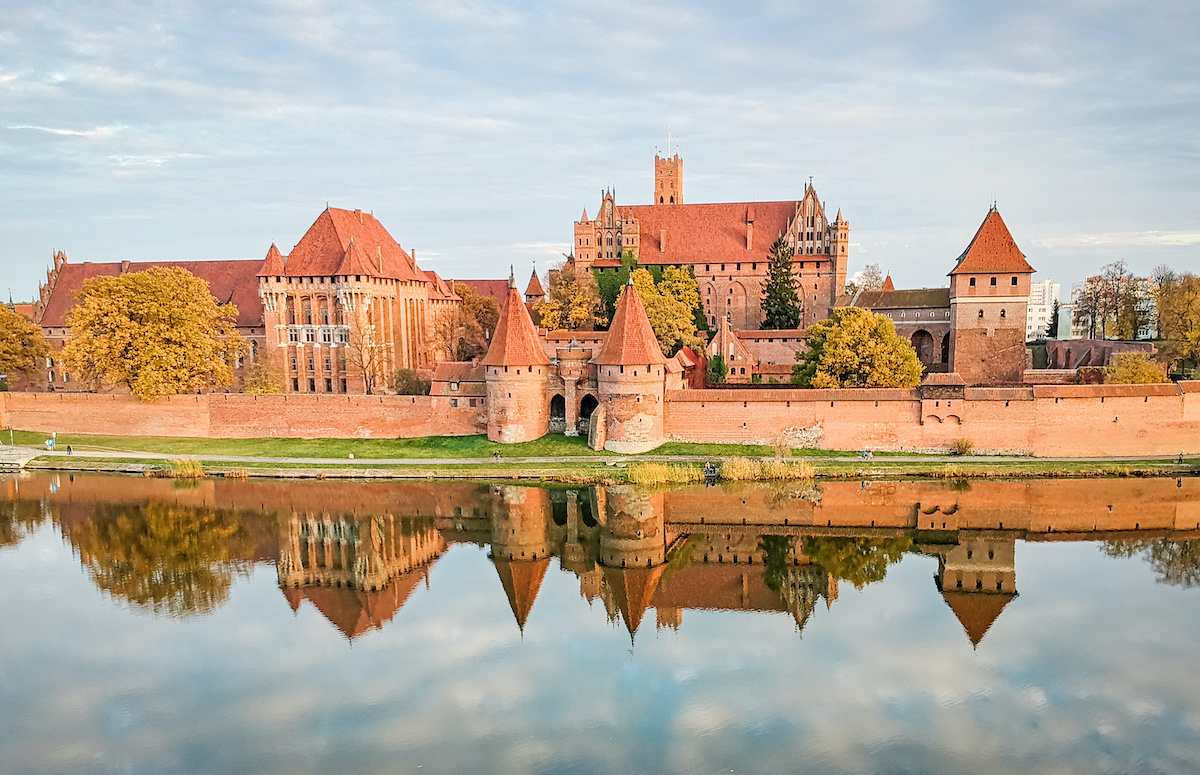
<point>668,180</point>
<point>631,379</point>
<point>583,252</point>
<point>520,546</point>
<point>273,292</point>
<point>839,249</point>
<point>516,368</point>
<point>534,291</point>
<point>989,295</point>
<point>978,579</point>
<point>633,550</point>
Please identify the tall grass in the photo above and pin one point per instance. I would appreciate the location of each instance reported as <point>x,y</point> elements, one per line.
<point>186,469</point>
<point>741,469</point>
<point>664,473</point>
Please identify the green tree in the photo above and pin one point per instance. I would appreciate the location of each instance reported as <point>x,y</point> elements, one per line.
<point>777,551</point>
<point>781,304</point>
<point>1134,369</point>
<point>573,302</point>
<point>156,332</point>
<point>860,561</point>
<point>407,383</point>
<point>609,282</point>
<point>1176,562</point>
<point>670,307</point>
<point>854,348</point>
<point>22,347</point>
<point>173,559</point>
<point>718,369</point>
<point>260,380</point>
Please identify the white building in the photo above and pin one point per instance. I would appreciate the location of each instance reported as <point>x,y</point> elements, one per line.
<point>1040,311</point>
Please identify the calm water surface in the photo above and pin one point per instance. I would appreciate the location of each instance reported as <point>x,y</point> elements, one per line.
<point>320,627</point>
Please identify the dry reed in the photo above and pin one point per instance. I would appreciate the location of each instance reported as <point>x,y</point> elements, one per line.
<point>186,469</point>
<point>741,469</point>
<point>664,473</point>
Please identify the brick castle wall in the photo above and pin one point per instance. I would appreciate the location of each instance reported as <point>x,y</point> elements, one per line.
<point>221,415</point>
<point>1041,420</point>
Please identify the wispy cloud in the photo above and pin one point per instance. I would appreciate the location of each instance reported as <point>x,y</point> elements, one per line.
<point>95,133</point>
<point>1127,239</point>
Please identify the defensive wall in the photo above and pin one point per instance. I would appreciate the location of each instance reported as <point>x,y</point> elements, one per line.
<point>240,416</point>
<point>1039,420</point>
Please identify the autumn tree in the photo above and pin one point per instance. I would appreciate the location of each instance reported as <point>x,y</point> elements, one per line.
<point>572,301</point>
<point>869,279</point>
<point>670,306</point>
<point>1134,369</point>
<point>860,561</point>
<point>1113,304</point>
<point>1179,317</point>
<point>407,382</point>
<point>462,333</point>
<point>1176,562</point>
<point>157,332</point>
<point>260,380</point>
<point>781,303</point>
<point>854,348</point>
<point>172,559</point>
<point>22,347</point>
<point>366,347</point>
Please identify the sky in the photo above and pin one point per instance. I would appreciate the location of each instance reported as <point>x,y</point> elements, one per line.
<point>478,131</point>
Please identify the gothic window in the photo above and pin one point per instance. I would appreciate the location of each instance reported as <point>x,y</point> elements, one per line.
<point>293,336</point>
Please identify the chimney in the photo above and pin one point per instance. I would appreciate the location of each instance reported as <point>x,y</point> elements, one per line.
<point>124,267</point>
<point>359,214</point>
<point>662,240</point>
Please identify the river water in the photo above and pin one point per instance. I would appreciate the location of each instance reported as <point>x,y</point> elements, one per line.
<point>149,626</point>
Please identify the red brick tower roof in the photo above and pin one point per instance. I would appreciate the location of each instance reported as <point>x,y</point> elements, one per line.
<point>630,338</point>
<point>355,611</point>
<point>992,249</point>
<point>274,263</point>
<point>356,262</point>
<point>888,285</point>
<point>515,342</point>
<point>535,286</point>
<point>977,611</point>
<point>323,248</point>
<point>521,579</point>
<point>633,589</point>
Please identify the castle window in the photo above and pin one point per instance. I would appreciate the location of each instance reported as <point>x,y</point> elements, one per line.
<point>295,385</point>
<point>1001,313</point>
<point>454,403</point>
<point>328,365</point>
<point>326,336</point>
<point>947,314</point>
<point>343,386</point>
<point>454,386</point>
<point>971,282</point>
<point>1014,281</point>
<point>310,365</point>
<point>902,314</point>
<point>739,266</point>
<point>328,385</point>
<point>917,315</point>
<point>980,313</point>
<point>722,267</point>
<point>707,267</point>
<point>293,364</point>
<point>993,282</point>
<point>310,336</point>
<point>312,385</point>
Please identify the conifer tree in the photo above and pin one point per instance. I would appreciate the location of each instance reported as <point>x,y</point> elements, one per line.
<point>781,304</point>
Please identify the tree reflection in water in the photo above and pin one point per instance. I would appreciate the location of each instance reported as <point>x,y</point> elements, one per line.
<point>18,519</point>
<point>172,559</point>
<point>860,561</point>
<point>1176,562</point>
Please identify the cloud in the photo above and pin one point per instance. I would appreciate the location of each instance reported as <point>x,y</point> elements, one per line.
<point>97,133</point>
<point>1121,239</point>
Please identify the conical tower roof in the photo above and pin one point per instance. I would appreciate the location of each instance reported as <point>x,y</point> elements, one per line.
<point>630,338</point>
<point>535,286</point>
<point>977,611</point>
<point>356,262</point>
<point>515,342</point>
<point>274,263</point>
<point>992,249</point>
<point>521,580</point>
<point>888,285</point>
<point>633,590</point>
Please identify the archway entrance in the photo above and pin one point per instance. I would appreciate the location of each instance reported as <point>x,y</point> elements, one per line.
<point>558,414</point>
<point>586,406</point>
<point>922,342</point>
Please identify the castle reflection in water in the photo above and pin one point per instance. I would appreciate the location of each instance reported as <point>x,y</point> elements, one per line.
<point>357,551</point>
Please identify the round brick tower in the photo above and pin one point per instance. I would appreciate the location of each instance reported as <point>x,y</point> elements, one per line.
<point>516,368</point>
<point>631,379</point>
<point>633,549</point>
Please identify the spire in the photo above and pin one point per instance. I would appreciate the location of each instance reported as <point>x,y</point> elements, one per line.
<point>977,611</point>
<point>992,249</point>
<point>583,218</point>
<point>535,286</point>
<point>515,341</point>
<point>630,338</point>
<point>273,264</point>
<point>839,218</point>
<point>512,277</point>
<point>521,579</point>
<point>888,285</point>
<point>633,590</point>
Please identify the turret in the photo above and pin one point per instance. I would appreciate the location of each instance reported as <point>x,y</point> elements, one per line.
<point>668,180</point>
<point>633,550</point>
<point>989,296</point>
<point>631,380</point>
<point>520,546</point>
<point>516,368</point>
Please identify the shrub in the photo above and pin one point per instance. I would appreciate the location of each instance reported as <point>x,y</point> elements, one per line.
<point>186,469</point>
<point>1134,369</point>
<point>963,446</point>
<point>407,383</point>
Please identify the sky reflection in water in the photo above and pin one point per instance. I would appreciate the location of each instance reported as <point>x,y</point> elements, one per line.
<point>1090,669</point>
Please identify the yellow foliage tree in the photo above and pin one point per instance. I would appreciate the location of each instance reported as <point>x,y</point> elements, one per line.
<point>670,306</point>
<point>854,348</point>
<point>1134,369</point>
<point>156,332</point>
<point>22,347</point>
<point>572,302</point>
<point>261,380</point>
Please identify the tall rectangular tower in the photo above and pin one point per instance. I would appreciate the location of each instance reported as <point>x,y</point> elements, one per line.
<point>668,180</point>
<point>989,297</point>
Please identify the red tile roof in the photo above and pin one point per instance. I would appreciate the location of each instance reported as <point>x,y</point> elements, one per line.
<point>273,264</point>
<point>915,298</point>
<point>515,342</point>
<point>992,249</point>
<point>354,611</point>
<point>324,248</point>
<point>521,580</point>
<point>888,285</point>
<point>630,338</point>
<point>697,233</point>
<point>977,611</point>
<point>439,289</point>
<point>235,281</point>
<point>633,589</point>
<point>496,289</point>
<point>535,286</point>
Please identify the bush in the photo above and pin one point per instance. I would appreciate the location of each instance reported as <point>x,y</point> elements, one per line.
<point>1134,369</point>
<point>407,383</point>
<point>186,469</point>
<point>963,446</point>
